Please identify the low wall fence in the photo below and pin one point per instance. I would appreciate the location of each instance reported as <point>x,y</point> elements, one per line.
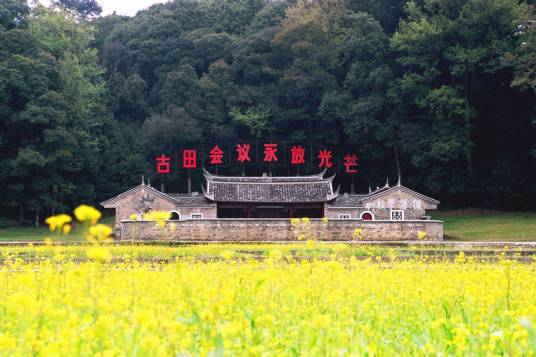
<point>244,229</point>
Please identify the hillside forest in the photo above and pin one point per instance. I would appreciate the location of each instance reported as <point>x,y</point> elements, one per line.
<point>444,89</point>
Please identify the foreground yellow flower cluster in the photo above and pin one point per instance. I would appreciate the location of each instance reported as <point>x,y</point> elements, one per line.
<point>276,306</point>
<point>96,233</point>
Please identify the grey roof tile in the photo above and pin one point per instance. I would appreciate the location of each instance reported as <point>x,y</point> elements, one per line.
<point>294,189</point>
<point>347,201</point>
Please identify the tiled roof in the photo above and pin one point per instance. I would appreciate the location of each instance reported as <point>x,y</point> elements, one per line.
<point>190,200</point>
<point>347,201</point>
<point>266,179</point>
<point>298,189</point>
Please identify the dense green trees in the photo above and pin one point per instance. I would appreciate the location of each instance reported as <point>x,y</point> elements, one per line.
<point>447,86</point>
<point>55,122</point>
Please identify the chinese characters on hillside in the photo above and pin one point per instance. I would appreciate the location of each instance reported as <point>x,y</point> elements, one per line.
<point>269,153</point>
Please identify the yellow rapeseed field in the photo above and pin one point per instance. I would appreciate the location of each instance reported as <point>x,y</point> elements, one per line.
<point>284,304</point>
<point>310,299</point>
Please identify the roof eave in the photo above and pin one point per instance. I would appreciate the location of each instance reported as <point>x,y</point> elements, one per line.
<point>108,202</point>
<point>424,197</point>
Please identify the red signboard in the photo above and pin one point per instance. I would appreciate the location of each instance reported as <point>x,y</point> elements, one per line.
<point>189,159</point>
<point>326,158</point>
<point>216,155</point>
<point>350,163</point>
<point>243,152</point>
<point>298,155</point>
<point>163,164</point>
<point>266,153</point>
<point>269,152</point>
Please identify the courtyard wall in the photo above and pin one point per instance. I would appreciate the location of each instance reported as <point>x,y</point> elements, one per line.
<point>243,229</point>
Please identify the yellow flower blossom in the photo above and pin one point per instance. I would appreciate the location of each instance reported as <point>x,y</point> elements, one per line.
<point>85,213</point>
<point>67,229</point>
<point>159,216</point>
<point>133,216</point>
<point>357,233</point>
<point>99,254</point>
<point>227,254</point>
<point>275,300</point>
<point>421,235</point>
<point>99,233</point>
<point>58,221</point>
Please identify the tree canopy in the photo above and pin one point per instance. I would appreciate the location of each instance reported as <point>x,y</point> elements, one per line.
<point>447,88</point>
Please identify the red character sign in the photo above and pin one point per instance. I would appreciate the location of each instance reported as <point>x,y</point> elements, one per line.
<point>298,155</point>
<point>163,164</point>
<point>269,152</point>
<point>189,159</point>
<point>326,158</point>
<point>350,162</point>
<point>243,152</point>
<point>216,155</point>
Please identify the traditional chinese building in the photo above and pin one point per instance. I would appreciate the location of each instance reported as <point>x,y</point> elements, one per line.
<point>260,208</point>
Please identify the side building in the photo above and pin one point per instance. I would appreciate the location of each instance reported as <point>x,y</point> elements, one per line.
<point>261,208</point>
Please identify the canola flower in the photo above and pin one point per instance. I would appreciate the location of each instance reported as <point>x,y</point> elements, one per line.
<point>67,229</point>
<point>301,228</point>
<point>99,254</point>
<point>356,235</point>
<point>96,233</point>
<point>99,233</point>
<point>59,221</point>
<point>85,213</point>
<point>337,305</point>
<point>421,235</point>
<point>160,217</point>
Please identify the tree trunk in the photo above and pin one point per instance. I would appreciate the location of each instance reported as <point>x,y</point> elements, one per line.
<point>21,213</point>
<point>397,160</point>
<point>467,118</point>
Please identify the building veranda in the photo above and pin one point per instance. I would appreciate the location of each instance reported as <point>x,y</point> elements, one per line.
<point>260,208</point>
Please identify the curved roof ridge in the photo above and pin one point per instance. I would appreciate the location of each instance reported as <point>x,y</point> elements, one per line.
<point>305,178</point>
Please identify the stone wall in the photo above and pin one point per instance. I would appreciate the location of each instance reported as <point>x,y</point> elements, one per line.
<point>278,230</point>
